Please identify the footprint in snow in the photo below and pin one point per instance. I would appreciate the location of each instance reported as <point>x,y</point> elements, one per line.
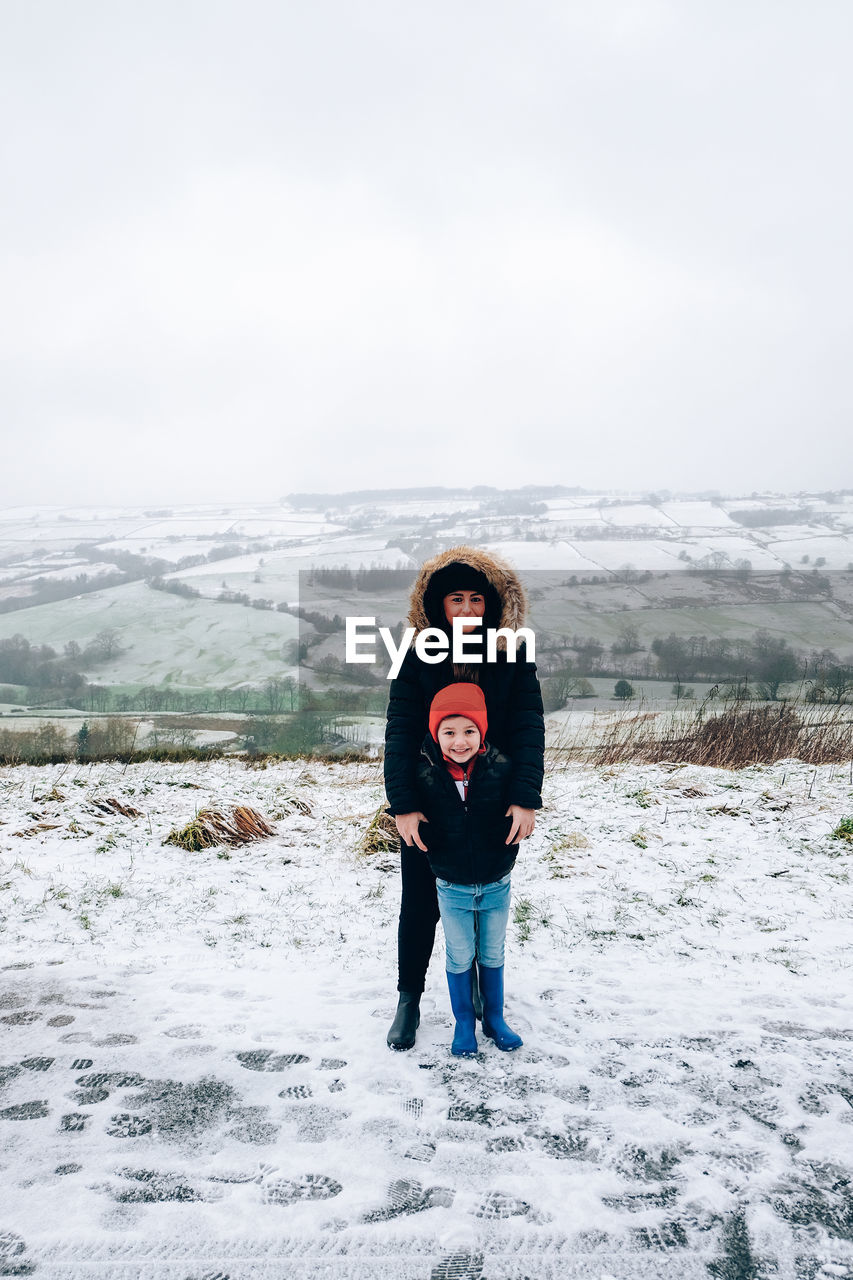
<point>459,1265</point>
<point>266,1060</point>
<point>26,1111</point>
<point>311,1186</point>
<point>12,1260</point>
<point>89,1097</point>
<point>111,1080</point>
<point>669,1235</point>
<point>568,1145</point>
<point>498,1205</point>
<point>406,1196</point>
<point>637,1201</point>
<point>506,1142</point>
<point>126,1125</point>
<point>423,1152</point>
<point>98,1086</point>
<point>297,1091</point>
<point>251,1125</point>
<point>476,1113</point>
<point>74,1121</point>
<point>650,1166</point>
<point>148,1186</point>
<point>316,1123</point>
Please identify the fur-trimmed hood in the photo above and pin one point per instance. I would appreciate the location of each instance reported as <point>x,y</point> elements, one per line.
<point>501,575</point>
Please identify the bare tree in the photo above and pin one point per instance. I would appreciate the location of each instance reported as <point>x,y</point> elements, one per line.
<point>838,682</point>
<point>274,693</point>
<point>106,644</point>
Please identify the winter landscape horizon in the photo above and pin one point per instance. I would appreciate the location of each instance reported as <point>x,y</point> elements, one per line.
<point>203,599</point>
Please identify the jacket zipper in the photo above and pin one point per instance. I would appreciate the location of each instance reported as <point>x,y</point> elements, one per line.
<point>464,803</point>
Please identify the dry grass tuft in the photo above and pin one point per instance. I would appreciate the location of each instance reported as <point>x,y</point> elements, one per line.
<point>34,831</point>
<point>844,830</point>
<point>112,806</point>
<point>734,737</point>
<point>293,804</point>
<point>571,840</point>
<point>381,835</point>
<point>211,827</point>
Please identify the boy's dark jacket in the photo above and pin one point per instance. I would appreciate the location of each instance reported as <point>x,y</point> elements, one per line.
<point>511,690</point>
<point>465,842</point>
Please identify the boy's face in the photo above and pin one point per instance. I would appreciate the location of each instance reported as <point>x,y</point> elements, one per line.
<point>459,738</point>
<point>464,604</point>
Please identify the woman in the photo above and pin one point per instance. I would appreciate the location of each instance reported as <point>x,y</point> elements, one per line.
<point>467,583</point>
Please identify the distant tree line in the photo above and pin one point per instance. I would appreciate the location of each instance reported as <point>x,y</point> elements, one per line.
<point>130,567</point>
<point>761,665</point>
<point>43,671</point>
<point>364,578</point>
<point>765,517</point>
<point>322,622</point>
<point>479,492</point>
<point>48,590</point>
<point>174,587</point>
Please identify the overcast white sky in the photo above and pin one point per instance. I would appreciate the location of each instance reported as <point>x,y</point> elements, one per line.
<point>262,246</point>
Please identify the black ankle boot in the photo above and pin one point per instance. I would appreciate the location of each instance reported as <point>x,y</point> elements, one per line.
<point>401,1033</point>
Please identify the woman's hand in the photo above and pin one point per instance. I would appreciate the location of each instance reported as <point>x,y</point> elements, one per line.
<point>407,826</point>
<point>523,822</point>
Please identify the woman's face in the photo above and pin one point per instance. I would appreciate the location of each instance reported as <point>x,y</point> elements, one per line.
<point>464,604</point>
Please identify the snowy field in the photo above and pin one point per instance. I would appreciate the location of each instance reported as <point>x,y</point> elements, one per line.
<point>169,640</point>
<point>835,549</point>
<point>697,515</point>
<point>196,1083</point>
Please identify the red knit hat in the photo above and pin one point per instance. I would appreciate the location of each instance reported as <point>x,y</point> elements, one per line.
<point>462,699</point>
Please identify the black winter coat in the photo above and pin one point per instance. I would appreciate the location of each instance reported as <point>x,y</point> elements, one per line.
<point>516,725</point>
<point>466,842</point>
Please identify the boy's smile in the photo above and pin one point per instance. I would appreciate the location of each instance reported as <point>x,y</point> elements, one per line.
<point>459,738</point>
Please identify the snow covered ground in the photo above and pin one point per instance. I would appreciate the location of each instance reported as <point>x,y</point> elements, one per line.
<point>195,1082</point>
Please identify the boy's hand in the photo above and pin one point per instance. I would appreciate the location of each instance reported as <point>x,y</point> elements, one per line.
<point>523,822</point>
<point>407,826</point>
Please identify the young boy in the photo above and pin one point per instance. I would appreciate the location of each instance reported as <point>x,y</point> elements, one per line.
<point>462,782</point>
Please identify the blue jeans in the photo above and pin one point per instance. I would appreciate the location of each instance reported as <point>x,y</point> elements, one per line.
<point>475,918</point>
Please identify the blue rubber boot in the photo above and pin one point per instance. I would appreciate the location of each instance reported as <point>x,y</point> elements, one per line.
<point>492,987</point>
<point>461,1002</point>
